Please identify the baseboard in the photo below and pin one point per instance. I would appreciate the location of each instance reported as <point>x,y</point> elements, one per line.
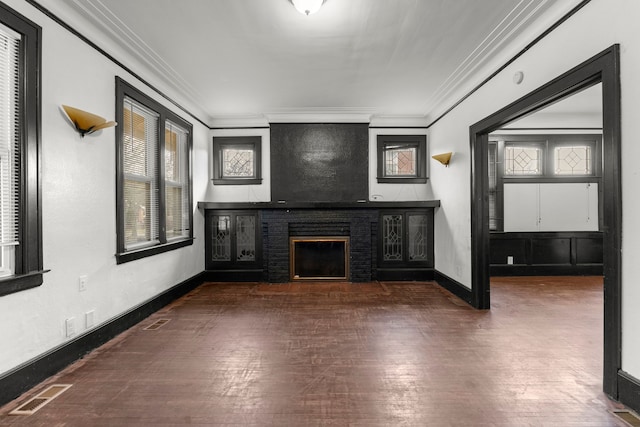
<point>453,286</point>
<point>404,274</point>
<point>33,372</point>
<point>629,391</point>
<point>256,275</point>
<point>546,270</point>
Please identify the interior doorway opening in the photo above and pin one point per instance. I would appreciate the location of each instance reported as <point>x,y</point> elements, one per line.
<point>602,68</point>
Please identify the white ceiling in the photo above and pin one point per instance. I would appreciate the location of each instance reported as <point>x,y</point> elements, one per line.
<point>261,58</point>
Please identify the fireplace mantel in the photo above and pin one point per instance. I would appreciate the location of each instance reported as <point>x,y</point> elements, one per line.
<point>319,205</point>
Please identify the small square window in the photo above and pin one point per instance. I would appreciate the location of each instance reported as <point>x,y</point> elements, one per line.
<point>236,160</point>
<point>522,160</point>
<point>573,160</point>
<point>402,159</point>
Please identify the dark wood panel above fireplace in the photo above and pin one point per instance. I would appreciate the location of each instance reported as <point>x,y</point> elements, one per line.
<point>319,161</point>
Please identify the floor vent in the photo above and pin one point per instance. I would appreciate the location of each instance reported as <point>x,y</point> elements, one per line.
<point>628,417</point>
<point>37,402</point>
<point>157,324</point>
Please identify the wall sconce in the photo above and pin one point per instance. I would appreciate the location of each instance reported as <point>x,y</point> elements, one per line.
<point>84,122</point>
<point>443,158</point>
<point>307,7</point>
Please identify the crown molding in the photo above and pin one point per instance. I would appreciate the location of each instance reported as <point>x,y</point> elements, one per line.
<point>324,115</point>
<point>239,121</point>
<point>321,115</point>
<point>98,14</point>
<point>390,121</point>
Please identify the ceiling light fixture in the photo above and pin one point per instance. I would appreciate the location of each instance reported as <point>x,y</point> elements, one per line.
<point>307,7</point>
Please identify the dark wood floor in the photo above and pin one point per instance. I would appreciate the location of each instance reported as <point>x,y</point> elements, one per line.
<point>392,354</point>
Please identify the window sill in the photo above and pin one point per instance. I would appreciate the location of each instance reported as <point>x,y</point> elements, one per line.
<point>21,282</point>
<point>402,180</point>
<point>237,181</point>
<point>136,254</point>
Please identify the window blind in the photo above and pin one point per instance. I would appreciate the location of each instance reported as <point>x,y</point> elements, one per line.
<point>141,204</point>
<point>176,181</point>
<point>9,136</point>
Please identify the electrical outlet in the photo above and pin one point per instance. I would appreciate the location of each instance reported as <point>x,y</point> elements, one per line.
<point>82,283</point>
<point>88,319</point>
<point>510,260</point>
<point>70,326</point>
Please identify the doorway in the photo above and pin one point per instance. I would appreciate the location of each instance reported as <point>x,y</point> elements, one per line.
<point>602,68</point>
<point>545,190</point>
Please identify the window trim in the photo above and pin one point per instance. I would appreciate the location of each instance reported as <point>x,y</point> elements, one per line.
<point>124,89</point>
<point>253,143</point>
<point>28,268</point>
<point>418,141</point>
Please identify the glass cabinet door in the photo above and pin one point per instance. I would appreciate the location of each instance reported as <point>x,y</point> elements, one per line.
<point>233,240</point>
<point>417,237</point>
<point>220,238</point>
<point>392,237</point>
<point>245,238</point>
<point>406,239</point>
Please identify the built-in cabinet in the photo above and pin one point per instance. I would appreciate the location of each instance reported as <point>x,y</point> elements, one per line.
<point>406,238</point>
<point>233,240</point>
<point>252,241</point>
<point>569,206</point>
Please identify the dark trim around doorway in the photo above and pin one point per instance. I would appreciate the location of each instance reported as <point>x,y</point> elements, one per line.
<point>602,68</point>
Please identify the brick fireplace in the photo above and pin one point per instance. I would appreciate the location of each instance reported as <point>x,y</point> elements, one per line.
<point>252,241</point>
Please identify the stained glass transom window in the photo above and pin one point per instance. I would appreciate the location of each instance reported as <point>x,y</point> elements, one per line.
<point>246,238</point>
<point>392,237</point>
<point>400,161</point>
<point>237,163</point>
<point>522,160</point>
<point>573,160</point>
<point>418,233</point>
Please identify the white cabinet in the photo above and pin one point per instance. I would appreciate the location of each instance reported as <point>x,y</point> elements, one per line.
<point>551,207</point>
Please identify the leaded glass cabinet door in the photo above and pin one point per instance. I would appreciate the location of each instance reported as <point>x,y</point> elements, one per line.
<point>417,237</point>
<point>233,240</point>
<point>392,237</point>
<point>246,233</point>
<point>220,238</point>
<point>406,239</point>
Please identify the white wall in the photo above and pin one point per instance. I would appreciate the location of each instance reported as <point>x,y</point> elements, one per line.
<point>241,193</point>
<point>594,28</point>
<point>78,208</point>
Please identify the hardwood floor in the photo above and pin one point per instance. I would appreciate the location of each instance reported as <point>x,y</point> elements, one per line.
<point>327,354</point>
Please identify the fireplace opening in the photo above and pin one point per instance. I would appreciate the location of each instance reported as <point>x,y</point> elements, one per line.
<point>319,258</point>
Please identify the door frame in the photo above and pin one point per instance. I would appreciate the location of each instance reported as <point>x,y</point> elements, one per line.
<point>602,68</point>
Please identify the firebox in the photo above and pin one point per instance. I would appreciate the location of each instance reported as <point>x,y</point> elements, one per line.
<point>319,258</point>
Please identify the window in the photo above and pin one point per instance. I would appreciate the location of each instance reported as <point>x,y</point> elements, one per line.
<point>551,156</point>
<point>402,159</point>
<point>154,177</point>
<point>20,214</point>
<point>574,159</point>
<point>556,159</point>
<point>237,160</point>
<point>523,160</point>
